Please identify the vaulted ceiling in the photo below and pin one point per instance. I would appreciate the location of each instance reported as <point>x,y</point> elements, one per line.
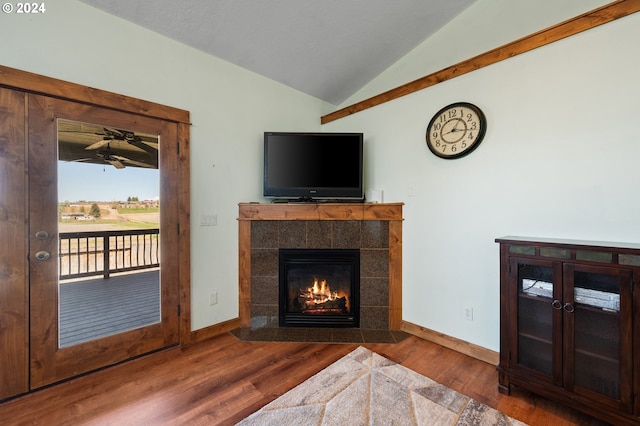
<point>326,48</point>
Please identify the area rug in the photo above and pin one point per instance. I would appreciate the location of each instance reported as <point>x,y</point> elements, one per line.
<point>364,388</point>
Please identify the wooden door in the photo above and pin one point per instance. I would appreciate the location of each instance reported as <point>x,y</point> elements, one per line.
<point>49,361</point>
<point>598,334</point>
<point>13,246</point>
<point>536,341</point>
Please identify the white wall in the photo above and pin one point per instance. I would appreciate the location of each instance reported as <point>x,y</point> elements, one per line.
<point>230,109</point>
<point>559,159</point>
<point>483,26</point>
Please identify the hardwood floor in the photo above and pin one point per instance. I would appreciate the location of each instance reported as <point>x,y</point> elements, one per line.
<point>222,380</point>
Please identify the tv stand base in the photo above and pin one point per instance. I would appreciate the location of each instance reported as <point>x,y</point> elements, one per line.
<point>313,200</point>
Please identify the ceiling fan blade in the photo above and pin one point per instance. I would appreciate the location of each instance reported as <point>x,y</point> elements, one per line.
<point>132,162</point>
<point>148,139</point>
<point>115,162</point>
<point>80,160</point>
<point>99,144</point>
<point>145,146</point>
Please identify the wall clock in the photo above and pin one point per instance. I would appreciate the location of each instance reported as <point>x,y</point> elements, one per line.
<point>456,130</point>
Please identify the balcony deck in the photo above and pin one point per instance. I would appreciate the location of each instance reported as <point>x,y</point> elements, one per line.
<point>91,308</point>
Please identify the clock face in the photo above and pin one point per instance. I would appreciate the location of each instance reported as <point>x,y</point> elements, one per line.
<point>456,130</point>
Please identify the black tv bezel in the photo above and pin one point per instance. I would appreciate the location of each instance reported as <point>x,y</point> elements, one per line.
<point>314,193</point>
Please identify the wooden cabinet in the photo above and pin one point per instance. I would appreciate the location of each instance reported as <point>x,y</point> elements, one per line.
<point>568,310</point>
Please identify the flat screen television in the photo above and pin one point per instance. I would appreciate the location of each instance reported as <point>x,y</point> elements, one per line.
<point>313,166</point>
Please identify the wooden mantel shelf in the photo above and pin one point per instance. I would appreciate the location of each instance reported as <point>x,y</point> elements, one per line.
<point>250,213</point>
<point>321,211</point>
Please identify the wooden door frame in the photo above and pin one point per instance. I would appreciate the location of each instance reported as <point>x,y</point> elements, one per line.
<point>14,333</point>
<point>37,84</point>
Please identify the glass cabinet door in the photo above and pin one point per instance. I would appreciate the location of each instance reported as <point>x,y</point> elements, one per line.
<point>536,295</point>
<point>598,329</point>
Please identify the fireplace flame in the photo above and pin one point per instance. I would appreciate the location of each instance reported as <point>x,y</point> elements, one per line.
<point>321,288</point>
<point>320,293</point>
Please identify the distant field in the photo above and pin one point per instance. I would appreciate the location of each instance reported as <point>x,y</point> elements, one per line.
<point>115,219</point>
<point>119,224</point>
<point>138,210</point>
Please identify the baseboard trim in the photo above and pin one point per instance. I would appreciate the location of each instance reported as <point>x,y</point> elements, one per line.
<point>214,330</point>
<point>470,349</point>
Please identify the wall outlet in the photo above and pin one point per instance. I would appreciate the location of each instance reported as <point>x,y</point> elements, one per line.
<point>468,313</point>
<point>213,298</point>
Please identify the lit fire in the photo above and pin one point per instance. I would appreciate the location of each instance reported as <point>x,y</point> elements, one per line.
<point>320,297</point>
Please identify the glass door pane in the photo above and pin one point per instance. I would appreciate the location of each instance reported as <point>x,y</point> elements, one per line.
<point>535,317</point>
<point>596,305</point>
<point>109,231</point>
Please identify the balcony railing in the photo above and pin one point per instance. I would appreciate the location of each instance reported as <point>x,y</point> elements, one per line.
<point>84,254</point>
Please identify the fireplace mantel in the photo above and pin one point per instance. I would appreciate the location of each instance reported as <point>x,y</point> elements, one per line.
<point>252,214</point>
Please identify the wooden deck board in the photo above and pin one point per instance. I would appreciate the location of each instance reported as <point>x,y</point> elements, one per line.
<point>98,307</point>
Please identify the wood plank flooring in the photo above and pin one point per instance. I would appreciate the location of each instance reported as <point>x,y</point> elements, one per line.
<point>222,380</point>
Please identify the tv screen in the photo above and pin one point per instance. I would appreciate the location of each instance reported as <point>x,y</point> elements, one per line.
<point>309,166</point>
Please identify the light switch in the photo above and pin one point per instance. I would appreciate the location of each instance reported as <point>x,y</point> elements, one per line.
<point>208,220</point>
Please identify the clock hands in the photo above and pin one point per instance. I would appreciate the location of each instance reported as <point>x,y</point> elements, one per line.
<point>455,128</point>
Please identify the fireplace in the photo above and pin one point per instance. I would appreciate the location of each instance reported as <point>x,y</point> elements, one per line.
<point>319,287</point>
<point>373,228</point>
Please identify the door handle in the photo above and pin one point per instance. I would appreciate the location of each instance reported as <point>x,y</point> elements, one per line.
<point>568,307</point>
<point>42,255</point>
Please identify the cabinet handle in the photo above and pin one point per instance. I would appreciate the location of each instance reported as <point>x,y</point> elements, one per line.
<point>556,304</point>
<point>568,307</point>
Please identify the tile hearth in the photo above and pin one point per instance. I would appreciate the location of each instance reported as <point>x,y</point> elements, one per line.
<point>319,335</point>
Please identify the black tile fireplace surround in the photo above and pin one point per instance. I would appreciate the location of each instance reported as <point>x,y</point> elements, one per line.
<point>370,237</point>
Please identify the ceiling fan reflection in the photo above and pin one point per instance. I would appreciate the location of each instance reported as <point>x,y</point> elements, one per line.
<point>131,138</point>
<point>117,161</point>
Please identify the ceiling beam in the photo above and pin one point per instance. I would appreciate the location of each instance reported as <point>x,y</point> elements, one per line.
<point>578,24</point>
